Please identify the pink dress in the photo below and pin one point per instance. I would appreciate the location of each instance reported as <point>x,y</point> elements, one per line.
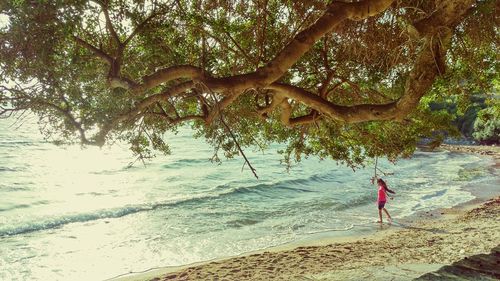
<point>381,194</point>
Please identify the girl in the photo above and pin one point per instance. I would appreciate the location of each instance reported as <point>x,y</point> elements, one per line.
<point>382,198</point>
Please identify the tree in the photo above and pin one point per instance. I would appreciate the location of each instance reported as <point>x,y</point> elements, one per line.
<point>487,126</point>
<point>345,80</point>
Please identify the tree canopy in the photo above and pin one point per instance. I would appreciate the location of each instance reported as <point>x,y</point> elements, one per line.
<point>339,79</point>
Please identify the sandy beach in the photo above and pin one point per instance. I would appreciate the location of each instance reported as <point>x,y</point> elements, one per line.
<point>399,252</point>
<point>403,250</point>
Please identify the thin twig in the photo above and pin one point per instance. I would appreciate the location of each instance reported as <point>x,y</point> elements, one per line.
<point>234,138</point>
<point>374,171</point>
<point>385,173</point>
<point>238,145</point>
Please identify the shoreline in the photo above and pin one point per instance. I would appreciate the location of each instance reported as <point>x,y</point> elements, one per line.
<point>481,150</point>
<point>268,264</point>
<point>409,250</point>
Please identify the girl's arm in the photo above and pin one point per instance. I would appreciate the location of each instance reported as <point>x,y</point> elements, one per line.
<point>387,194</point>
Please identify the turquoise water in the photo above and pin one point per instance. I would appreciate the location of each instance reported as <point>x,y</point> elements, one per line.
<point>68,213</point>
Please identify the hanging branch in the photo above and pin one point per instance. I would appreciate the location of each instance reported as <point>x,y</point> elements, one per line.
<point>385,173</point>
<point>233,136</point>
<point>375,169</point>
<point>238,145</point>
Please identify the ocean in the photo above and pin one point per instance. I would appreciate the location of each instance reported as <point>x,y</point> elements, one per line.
<point>73,213</point>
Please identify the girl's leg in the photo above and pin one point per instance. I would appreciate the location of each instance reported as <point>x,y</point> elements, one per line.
<point>387,213</point>
<point>380,215</point>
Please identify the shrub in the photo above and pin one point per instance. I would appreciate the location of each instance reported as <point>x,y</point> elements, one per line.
<point>487,126</point>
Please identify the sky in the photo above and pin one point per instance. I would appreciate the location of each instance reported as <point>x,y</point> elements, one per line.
<point>4,19</point>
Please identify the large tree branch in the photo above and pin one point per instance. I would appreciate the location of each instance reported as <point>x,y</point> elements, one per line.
<point>225,102</point>
<point>109,24</point>
<point>427,66</point>
<point>141,26</point>
<point>447,14</point>
<point>286,115</point>
<point>67,114</point>
<point>298,46</point>
<point>140,107</point>
<point>418,83</point>
<point>425,70</point>
<point>121,82</point>
<point>291,53</point>
<point>168,74</point>
<point>336,13</point>
<point>97,51</point>
<point>114,79</point>
<point>323,90</point>
<point>275,102</point>
<point>336,112</point>
<point>29,101</point>
<point>420,79</point>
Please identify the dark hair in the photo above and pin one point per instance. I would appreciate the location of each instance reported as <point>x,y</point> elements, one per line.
<point>382,183</point>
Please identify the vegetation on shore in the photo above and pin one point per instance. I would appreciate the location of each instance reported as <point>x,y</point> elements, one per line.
<point>478,122</point>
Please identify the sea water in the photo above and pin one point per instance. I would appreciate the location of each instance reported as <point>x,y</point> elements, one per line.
<point>73,213</point>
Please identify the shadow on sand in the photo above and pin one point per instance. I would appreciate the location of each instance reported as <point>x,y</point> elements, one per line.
<point>477,267</point>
